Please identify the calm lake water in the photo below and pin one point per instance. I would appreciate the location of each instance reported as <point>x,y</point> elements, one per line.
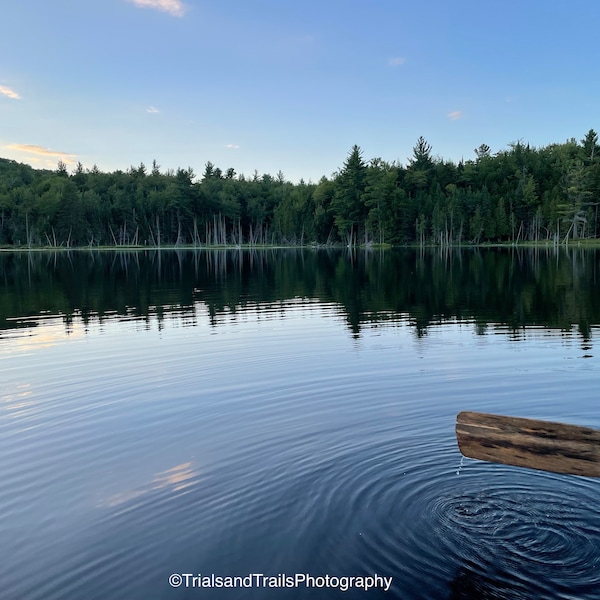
<point>291,412</point>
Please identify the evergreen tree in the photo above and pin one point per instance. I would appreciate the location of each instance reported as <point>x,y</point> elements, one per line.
<point>591,150</point>
<point>348,204</point>
<point>420,165</point>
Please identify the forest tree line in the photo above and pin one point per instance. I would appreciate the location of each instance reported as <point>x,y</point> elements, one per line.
<point>517,194</point>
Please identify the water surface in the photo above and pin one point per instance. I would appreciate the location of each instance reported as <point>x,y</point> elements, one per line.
<point>291,412</point>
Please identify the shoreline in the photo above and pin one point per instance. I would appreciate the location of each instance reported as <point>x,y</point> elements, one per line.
<point>583,243</point>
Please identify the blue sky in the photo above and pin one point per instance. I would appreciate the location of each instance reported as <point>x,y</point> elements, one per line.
<point>285,85</point>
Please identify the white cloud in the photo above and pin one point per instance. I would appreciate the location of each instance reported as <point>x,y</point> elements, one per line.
<point>9,93</point>
<point>39,151</point>
<point>175,8</point>
<point>232,146</point>
<point>152,110</point>
<point>396,61</point>
<point>456,115</point>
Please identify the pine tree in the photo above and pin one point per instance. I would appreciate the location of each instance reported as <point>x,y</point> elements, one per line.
<point>348,203</point>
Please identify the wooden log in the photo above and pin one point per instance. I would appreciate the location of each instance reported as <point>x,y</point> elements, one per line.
<point>530,443</point>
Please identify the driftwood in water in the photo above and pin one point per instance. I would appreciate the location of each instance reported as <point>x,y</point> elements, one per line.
<point>529,443</point>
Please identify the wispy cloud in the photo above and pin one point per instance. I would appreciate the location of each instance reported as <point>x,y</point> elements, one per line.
<point>396,61</point>
<point>175,8</point>
<point>9,92</point>
<point>152,110</point>
<point>35,150</point>
<point>456,115</point>
<point>232,146</point>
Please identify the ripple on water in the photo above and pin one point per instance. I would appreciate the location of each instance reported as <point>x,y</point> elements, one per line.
<point>398,508</point>
<point>492,531</point>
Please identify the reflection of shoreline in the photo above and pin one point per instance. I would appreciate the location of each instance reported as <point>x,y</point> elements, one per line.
<point>514,288</point>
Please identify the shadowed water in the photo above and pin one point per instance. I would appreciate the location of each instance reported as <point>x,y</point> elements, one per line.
<point>291,412</point>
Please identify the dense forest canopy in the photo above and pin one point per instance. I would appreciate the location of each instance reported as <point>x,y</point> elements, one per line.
<point>517,194</point>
